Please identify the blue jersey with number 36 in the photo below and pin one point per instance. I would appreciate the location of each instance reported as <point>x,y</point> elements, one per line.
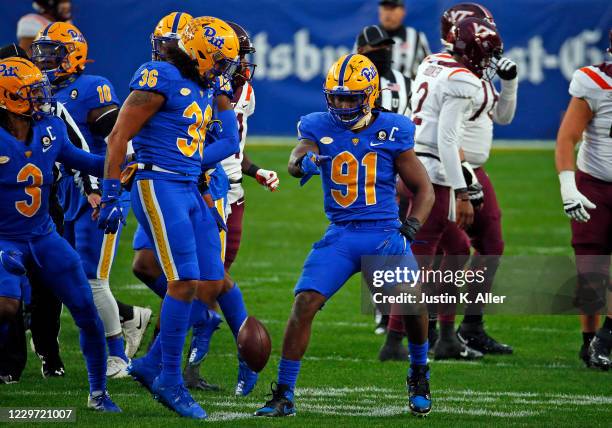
<point>173,139</point>
<point>359,180</point>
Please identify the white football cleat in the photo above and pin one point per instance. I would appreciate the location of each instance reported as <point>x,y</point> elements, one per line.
<point>134,330</point>
<point>116,367</point>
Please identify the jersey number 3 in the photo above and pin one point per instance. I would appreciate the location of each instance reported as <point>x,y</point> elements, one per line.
<point>29,208</point>
<point>345,171</point>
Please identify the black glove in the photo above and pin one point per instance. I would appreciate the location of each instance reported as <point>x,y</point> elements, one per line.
<point>409,228</point>
<point>474,188</point>
<point>202,183</point>
<point>506,69</point>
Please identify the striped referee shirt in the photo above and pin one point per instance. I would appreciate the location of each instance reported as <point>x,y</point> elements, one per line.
<point>409,50</point>
<point>395,92</point>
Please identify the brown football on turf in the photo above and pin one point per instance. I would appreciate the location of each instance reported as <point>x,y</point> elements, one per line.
<point>254,345</point>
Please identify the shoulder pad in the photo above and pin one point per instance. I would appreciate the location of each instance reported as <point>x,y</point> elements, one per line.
<point>589,82</point>
<point>463,83</point>
<point>155,76</point>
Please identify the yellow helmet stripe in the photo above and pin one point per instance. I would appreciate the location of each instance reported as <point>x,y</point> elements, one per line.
<point>177,20</point>
<point>343,69</point>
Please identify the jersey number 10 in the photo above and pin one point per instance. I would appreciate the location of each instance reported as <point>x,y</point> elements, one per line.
<point>345,171</point>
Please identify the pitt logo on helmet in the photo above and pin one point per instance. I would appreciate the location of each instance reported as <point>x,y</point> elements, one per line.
<point>351,89</point>
<point>213,44</point>
<point>7,71</point>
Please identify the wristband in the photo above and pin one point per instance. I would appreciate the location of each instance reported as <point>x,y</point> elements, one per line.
<point>252,170</point>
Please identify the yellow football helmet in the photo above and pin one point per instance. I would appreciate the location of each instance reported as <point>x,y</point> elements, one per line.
<point>213,44</point>
<point>351,89</point>
<point>167,33</point>
<point>24,89</point>
<point>59,49</point>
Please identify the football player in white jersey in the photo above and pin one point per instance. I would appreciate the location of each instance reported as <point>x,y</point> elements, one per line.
<point>236,166</point>
<point>445,97</point>
<point>587,200</point>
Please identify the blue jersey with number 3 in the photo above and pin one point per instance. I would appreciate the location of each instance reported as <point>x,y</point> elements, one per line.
<point>26,175</point>
<point>173,139</point>
<point>359,179</point>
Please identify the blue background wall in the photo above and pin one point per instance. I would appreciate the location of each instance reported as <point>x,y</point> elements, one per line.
<point>298,39</point>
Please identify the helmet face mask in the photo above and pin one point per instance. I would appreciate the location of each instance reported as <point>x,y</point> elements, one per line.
<point>347,107</point>
<point>40,97</point>
<point>161,45</point>
<point>49,57</point>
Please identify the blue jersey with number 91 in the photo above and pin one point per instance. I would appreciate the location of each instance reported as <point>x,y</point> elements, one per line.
<point>173,139</point>
<point>359,180</point>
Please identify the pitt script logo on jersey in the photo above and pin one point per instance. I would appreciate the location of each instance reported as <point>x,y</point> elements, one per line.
<point>369,73</point>
<point>7,71</point>
<point>210,33</point>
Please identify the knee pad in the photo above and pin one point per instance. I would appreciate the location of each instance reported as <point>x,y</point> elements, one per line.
<point>106,306</point>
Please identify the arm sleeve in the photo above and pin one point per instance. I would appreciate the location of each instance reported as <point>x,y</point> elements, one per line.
<point>506,105</point>
<point>80,160</point>
<point>450,132</point>
<point>227,143</point>
<point>86,183</point>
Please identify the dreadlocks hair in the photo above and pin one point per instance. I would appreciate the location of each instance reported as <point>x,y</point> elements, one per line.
<point>187,67</point>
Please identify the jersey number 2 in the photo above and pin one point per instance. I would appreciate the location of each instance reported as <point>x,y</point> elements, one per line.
<point>345,171</point>
<point>197,130</point>
<point>29,208</point>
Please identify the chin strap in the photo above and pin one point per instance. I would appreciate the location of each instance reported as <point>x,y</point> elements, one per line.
<point>363,122</point>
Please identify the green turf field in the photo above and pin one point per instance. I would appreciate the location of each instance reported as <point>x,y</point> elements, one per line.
<point>341,382</point>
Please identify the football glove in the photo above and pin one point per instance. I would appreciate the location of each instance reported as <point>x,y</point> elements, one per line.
<point>110,209</point>
<point>12,261</point>
<point>474,188</point>
<point>409,228</point>
<point>506,69</point>
<point>268,179</point>
<point>309,164</point>
<point>575,203</point>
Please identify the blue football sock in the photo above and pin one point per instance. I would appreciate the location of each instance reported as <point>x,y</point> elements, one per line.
<point>232,306</point>
<point>418,353</point>
<point>159,285</point>
<point>288,371</point>
<point>93,346</point>
<point>174,325</point>
<point>116,347</point>
<point>199,313</point>
<point>154,356</point>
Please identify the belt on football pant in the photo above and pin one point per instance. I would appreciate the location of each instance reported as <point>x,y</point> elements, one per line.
<point>427,155</point>
<point>151,167</point>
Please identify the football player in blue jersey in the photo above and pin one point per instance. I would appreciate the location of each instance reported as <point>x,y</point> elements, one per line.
<point>358,152</point>
<point>32,141</point>
<point>60,50</point>
<point>146,267</point>
<point>173,101</point>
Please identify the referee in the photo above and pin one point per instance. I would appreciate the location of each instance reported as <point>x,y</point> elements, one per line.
<point>410,45</point>
<point>375,43</point>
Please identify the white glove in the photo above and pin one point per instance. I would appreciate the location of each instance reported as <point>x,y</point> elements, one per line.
<point>574,202</point>
<point>268,179</point>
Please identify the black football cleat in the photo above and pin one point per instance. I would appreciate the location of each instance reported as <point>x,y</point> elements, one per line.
<point>480,341</point>
<point>52,366</point>
<point>419,398</point>
<point>280,405</point>
<point>583,354</point>
<point>453,349</point>
<point>193,380</point>
<point>599,350</point>
<point>393,348</point>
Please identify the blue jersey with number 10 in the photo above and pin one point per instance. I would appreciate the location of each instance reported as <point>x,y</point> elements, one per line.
<point>173,139</point>
<point>359,180</point>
